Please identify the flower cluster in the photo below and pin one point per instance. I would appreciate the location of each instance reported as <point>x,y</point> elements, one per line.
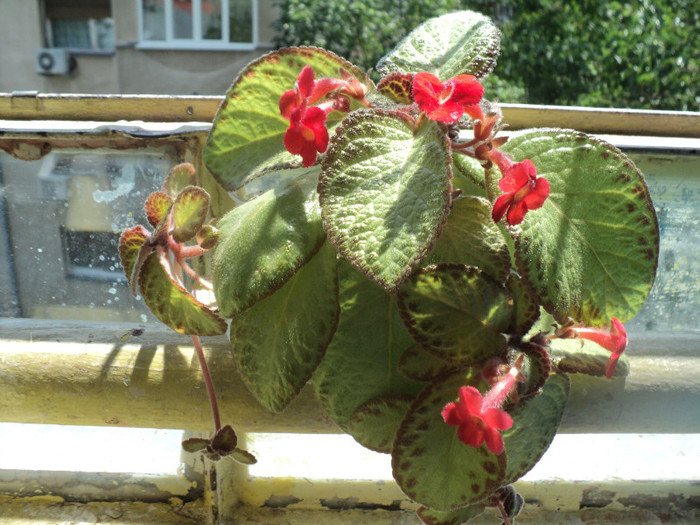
<point>307,134</point>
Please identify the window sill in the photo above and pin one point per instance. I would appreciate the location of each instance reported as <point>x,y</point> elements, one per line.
<point>195,46</point>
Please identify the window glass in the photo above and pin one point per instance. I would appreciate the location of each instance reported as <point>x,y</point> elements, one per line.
<point>153,19</point>
<point>211,20</point>
<point>182,13</point>
<point>240,21</point>
<point>63,215</point>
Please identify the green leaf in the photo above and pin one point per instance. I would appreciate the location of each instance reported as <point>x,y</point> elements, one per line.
<point>262,244</point>
<point>243,457</point>
<point>248,129</point>
<point>468,175</point>
<point>418,364</point>
<point>171,303</point>
<point>580,356</point>
<point>430,464</point>
<point>471,237</point>
<point>130,244</point>
<point>385,192</point>
<point>526,310</point>
<point>195,444</point>
<point>157,207</point>
<point>534,426</point>
<point>361,361</point>
<point>454,517</point>
<point>279,341</point>
<point>590,253</point>
<point>178,179</point>
<point>457,43</point>
<point>456,312</point>
<point>189,212</point>
<point>375,422</point>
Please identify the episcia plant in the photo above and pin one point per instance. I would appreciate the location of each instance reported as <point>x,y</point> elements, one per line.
<point>435,280</point>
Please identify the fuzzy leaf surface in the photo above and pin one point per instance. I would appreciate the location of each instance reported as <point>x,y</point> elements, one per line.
<point>262,243</point>
<point>470,237</point>
<point>173,305</point>
<point>157,207</point>
<point>279,341</point>
<point>375,422</point>
<point>189,212</point>
<point>456,312</point>
<point>454,517</point>
<point>248,129</point>
<point>534,427</point>
<point>178,179</point>
<point>385,192</point>
<point>457,43</point>
<point>430,464</point>
<point>590,253</point>
<point>361,361</point>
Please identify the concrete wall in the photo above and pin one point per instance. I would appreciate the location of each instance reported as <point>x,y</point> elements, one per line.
<point>129,69</point>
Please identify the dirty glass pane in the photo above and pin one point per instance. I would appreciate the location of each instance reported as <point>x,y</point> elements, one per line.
<point>60,218</point>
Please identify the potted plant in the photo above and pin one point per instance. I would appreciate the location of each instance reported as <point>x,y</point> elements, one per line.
<point>433,278</point>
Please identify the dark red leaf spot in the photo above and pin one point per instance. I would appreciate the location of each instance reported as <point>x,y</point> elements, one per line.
<point>475,488</point>
<point>489,467</point>
<point>411,482</point>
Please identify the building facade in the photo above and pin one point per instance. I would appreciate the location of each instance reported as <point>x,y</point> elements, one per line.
<point>175,47</point>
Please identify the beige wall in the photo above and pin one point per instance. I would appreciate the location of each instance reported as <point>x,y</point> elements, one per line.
<point>129,69</point>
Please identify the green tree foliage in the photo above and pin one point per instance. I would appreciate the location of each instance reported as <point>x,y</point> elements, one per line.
<point>637,54</point>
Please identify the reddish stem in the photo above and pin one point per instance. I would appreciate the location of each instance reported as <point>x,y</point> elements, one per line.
<point>504,516</point>
<point>208,382</point>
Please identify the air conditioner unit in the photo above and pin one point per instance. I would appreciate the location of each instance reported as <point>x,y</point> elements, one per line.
<point>53,61</point>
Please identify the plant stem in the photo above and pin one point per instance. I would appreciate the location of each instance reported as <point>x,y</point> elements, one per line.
<point>504,516</point>
<point>208,382</point>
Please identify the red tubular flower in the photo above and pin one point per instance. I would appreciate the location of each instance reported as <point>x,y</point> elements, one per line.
<point>524,190</point>
<point>298,97</point>
<point>479,418</point>
<point>307,134</point>
<point>613,340</point>
<point>448,101</point>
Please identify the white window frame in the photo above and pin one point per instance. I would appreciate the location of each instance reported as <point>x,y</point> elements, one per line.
<point>197,43</point>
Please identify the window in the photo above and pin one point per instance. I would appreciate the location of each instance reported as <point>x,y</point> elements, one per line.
<point>199,24</point>
<point>79,25</point>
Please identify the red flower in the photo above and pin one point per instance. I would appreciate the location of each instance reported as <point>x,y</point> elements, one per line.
<point>477,423</point>
<point>614,341</point>
<point>524,191</point>
<point>298,97</point>
<point>307,134</point>
<point>448,101</point>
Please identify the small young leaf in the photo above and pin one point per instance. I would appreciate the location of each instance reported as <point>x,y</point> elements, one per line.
<point>536,369</point>
<point>130,244</point>
<point>243,457</point>
<point>171,303</point>
<point>385,192</point>
<point>157,207</point>
<point>361,361</point>
<point>590,253</point>
<point>456,312</point>
<point>178,179</point>
<point>375,422</point>
<point>279,341</point>
<point>225,440</point>
<point>189,213</point>
<point>195,444</point>
<point>534,426</point>
<point>248,129</point>
<point>262,244</point>
<point>470,237</point>
<point>430,464</point>
<point>457,43</point>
